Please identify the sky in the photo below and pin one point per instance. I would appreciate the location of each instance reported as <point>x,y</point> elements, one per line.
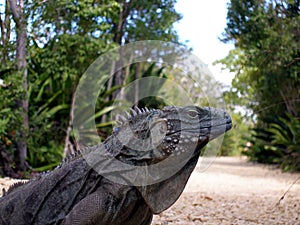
<point>202,23</point>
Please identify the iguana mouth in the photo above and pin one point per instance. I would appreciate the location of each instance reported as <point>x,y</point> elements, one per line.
<point>205,127</point>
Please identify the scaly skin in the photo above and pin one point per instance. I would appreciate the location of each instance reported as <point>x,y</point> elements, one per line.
<point>92,189</point>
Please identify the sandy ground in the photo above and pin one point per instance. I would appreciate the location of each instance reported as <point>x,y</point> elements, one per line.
<point>232,191</point>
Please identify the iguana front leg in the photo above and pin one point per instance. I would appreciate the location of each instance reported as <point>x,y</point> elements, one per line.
<point>116,207</point>
<point>90,210</point>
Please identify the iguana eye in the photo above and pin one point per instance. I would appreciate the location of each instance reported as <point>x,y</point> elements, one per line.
<point>192,113</point>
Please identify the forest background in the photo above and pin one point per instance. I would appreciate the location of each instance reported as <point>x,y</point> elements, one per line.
<point>46,46</point>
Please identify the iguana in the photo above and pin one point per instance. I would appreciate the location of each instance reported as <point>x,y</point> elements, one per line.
<point>92,189</point>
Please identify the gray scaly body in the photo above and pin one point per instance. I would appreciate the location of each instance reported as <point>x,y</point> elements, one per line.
<point>92,189</point>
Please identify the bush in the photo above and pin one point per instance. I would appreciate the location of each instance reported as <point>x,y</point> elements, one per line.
<point>279,143</point>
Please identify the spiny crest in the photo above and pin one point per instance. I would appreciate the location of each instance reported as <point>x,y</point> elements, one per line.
<point>13,187</point>
<point>132,113</point>
<point>70,157</point>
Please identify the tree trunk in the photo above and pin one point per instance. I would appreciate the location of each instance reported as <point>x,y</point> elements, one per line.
<point>17,8</point>
<point>118,38</point>
<point>5,33</point>
<point>69,148</point>
<point>137,88</point>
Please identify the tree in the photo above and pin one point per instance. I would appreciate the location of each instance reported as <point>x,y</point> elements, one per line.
<point>143,20</point>
<point>266,35</point>
<point>60,40</point>
<point>76,34</point>
<point>266,59</point>
<point>17,9</point>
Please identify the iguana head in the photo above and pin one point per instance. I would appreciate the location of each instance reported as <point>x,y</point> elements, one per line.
<point>151,136</point>
<point>172,139</point>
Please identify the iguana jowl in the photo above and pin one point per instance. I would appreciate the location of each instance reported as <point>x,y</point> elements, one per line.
<point>79,192</point>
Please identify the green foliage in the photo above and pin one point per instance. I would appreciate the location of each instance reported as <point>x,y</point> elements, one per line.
<point>285,137</point>
<point>260,149</point>
<point>266,64</point>
<point>148,70</point>
<point>58,58</point>
<point>152,20</point>
<point>265,60</point>
<point>235,140</point>
<point>64,39</point>
<point>11,123</point>
<point>46,157</point>
<point>10,119</point>
<point>279,143</point>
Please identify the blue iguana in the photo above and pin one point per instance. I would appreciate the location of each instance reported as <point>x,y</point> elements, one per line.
<point>90,188</point>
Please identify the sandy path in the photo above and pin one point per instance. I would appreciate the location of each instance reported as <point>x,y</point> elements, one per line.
<point>234,191</point>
